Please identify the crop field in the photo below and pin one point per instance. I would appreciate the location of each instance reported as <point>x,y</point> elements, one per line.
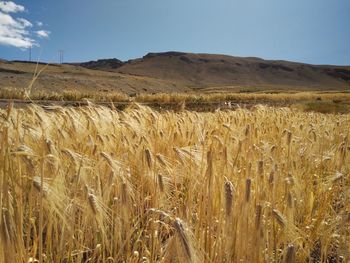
<point>93,184</point>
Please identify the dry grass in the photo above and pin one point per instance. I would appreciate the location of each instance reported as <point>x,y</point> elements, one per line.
<point>95,185</point>
<point>258,97</point>
<point>66,95</point>
<point>324,102</point>
<point>282,97</point>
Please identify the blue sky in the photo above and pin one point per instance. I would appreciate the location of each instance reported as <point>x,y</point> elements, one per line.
<point>311,31</point>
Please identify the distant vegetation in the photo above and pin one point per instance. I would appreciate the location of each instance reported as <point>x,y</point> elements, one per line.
<point>91,184</point>
<point>325,102</point>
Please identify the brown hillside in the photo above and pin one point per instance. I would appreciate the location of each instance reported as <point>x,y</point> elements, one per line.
<point>102,64</point>
<point>59,78</point>
<point>176,72</point>
<point>205,71</point>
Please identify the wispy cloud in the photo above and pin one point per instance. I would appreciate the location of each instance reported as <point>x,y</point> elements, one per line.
<point>43,33</point>
<point>10,7</point>
<point>16,32</point>
<point>24,22</point>
<point>40,24</point>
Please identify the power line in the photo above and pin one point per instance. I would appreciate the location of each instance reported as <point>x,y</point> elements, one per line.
<point>61,56</point>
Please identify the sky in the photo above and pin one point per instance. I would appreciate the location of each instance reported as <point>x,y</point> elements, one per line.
<point>310,31</point>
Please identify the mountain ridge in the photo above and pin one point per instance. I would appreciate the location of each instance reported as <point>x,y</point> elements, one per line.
<point>200,70</point>
<point>176,72</point>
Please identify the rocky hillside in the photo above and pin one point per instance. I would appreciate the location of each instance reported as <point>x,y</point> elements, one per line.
<point>177,72</point>
<point>102,64</point>
<point>202,70</point>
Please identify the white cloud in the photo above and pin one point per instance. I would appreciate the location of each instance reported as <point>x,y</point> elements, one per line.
<point>43,33</point>
<point>24,22</point>
<point>40,24</point>
<point>16,31</point>
<point>16,42</point>
<point>10,7</point>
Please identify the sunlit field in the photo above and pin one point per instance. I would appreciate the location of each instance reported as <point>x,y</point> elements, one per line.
<point>92,184</point>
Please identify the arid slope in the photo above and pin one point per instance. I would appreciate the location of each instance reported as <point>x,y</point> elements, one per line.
<point>219,71</point>
<point>59,78</point>
<point>177,72</point>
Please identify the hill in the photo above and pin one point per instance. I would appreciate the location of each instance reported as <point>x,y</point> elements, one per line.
<point>221,72</point>
<point>208,71</point>
<point>58,78</point>
<point>177,72</point>
<point>102,64</point>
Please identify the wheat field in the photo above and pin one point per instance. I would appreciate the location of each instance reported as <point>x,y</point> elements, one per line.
<point>92,184</point>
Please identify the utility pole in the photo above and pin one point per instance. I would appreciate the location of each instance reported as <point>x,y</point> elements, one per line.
<point>61,56</point>
<point>30,53</point>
